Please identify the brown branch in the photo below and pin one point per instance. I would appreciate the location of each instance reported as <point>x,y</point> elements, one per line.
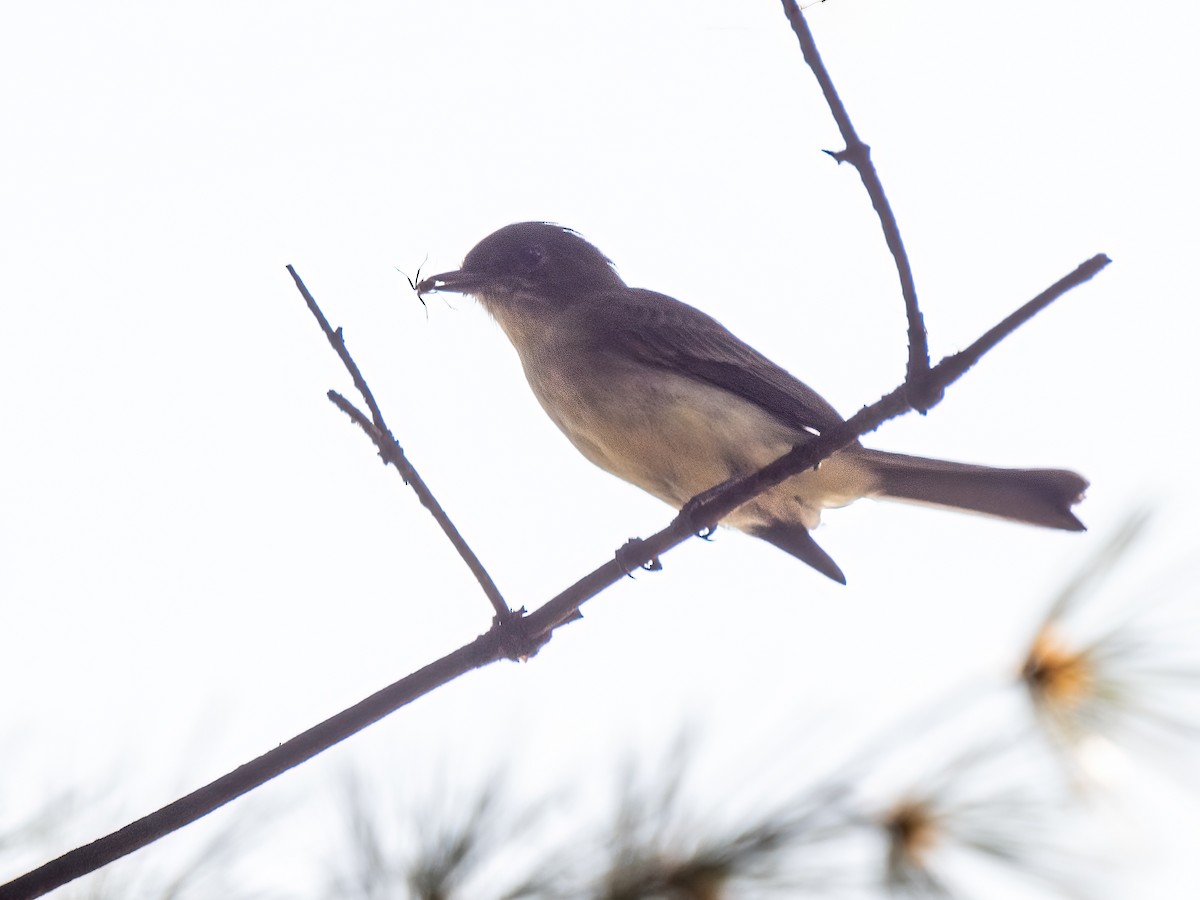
<point>339,346</point>
<point>858,154</point>
<point>483,650</point>
<point>391,451</point>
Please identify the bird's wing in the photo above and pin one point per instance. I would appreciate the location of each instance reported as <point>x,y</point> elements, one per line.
<point>658,330</point>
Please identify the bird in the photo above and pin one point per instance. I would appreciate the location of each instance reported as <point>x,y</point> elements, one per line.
<point>663,396</point>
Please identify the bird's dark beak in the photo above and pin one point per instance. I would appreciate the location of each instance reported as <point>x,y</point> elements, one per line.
<point>459,281</point>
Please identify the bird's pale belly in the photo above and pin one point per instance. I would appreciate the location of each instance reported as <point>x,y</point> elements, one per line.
<point>675,438</point>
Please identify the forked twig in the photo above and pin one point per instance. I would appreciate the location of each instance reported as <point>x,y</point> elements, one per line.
<point>391,451</point>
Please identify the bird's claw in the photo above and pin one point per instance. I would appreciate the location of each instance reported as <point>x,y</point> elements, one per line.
<point>689,514</point>
<point>629,558</point>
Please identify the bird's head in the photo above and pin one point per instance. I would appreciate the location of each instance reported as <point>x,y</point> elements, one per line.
<point>530,259</point>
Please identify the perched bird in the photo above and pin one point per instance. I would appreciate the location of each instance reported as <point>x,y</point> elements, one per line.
<point>665,397</point>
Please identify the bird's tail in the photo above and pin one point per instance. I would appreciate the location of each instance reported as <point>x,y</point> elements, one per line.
<point>1036,496</point>
<point>795,539</point>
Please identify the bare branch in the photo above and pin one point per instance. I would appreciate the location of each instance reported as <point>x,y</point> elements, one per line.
<point>858,154</point>
<point>957,364</point>
<point>339,345</point>
<point>391,451</point>
<point>485,649</point>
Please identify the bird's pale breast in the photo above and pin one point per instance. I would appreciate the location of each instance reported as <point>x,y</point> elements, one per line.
<point>674,436</point>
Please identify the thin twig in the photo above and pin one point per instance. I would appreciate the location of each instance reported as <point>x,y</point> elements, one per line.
<point>391,451</point>
<point>956,364</point>
<point>483,650</point>
<point>339,345</point>
<point>858,154</point>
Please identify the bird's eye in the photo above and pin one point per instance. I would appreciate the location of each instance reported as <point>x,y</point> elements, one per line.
<point>531,257</point>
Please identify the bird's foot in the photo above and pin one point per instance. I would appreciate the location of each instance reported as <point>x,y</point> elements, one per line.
<point>631,557</point>
<point>692,518</point>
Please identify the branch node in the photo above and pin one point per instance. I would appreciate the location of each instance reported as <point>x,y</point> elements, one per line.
<point>924,393</point>
<point>856,153</point>
<point>514,639</point>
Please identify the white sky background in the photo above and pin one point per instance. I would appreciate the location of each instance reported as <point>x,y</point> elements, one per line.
<point>200,557</point>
